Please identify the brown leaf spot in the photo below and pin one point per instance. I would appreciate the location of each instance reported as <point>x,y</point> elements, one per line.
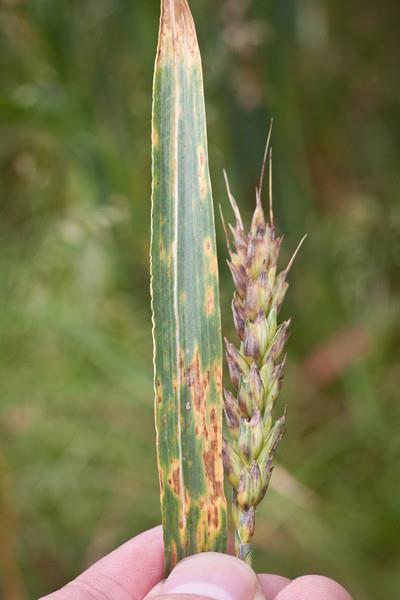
<point>159,391</point>
<point>207,246</point>
<point>217,373</point>
<point>213,419</point>
<point>213,516</point>
<point>181,362</point>
<point>176,483</point>
<point>210,457</point>
<point>197,384</point>
<point>216,517</point>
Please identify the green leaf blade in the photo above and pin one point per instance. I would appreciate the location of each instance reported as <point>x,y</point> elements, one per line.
<point>185,299</point>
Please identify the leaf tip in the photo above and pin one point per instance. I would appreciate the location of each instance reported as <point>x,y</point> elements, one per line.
<point>177,30</point>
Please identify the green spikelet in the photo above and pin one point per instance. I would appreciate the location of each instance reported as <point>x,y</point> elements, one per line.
<point>185,299</point>
<point>255,368</point>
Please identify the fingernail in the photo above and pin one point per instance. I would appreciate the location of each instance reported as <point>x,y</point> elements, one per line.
<point>213,575</point>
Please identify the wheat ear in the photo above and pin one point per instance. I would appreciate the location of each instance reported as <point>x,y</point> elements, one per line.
<point>256,367</point>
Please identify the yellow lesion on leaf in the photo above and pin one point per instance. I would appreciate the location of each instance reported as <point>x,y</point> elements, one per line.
<point>163,254</point>
<point>210,300</point>
<point>213,264</point>
<point>201,532</point>
<point>173,552</point>
<point>210,257</point>
<point>155,140</point>
<point>182,298</point>
<point>203,180</point>
<point>217,375</point>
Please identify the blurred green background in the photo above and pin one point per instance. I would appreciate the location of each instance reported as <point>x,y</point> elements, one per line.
<point>77,461</point>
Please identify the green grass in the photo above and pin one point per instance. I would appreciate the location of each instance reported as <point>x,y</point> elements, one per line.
<point>76,422</point>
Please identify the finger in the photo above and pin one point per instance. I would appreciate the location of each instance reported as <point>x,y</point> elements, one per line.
<point>128,573</point>
<point>210,575</point>
<point>312,587</point>
<point>272,584</point>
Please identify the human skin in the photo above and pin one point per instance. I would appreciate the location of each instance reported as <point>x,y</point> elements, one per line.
<point>134,571</point>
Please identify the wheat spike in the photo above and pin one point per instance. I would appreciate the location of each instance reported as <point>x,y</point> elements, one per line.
<point>256,367</point>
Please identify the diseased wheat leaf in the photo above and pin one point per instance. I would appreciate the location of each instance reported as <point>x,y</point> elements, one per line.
<point>185,299</point>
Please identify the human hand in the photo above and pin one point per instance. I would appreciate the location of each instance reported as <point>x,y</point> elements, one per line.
<point>134,571</point>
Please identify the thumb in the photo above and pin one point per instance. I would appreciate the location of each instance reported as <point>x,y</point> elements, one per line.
<point>209,575</point>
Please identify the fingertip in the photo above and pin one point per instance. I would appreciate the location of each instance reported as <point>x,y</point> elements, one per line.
<point>311,587</point>
<point>210,575</point>
<point>271,585</point>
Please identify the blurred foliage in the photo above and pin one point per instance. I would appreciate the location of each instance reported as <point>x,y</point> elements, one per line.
<point>78,473</point>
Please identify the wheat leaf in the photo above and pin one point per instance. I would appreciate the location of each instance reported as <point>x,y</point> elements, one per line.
<point>185,299</point>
